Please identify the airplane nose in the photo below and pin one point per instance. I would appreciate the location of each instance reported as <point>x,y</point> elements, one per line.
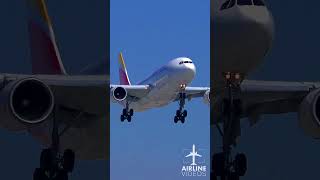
<point>242,36</point>
<point>258,20</point>
<point>191,68</point>
<point>189,71</point>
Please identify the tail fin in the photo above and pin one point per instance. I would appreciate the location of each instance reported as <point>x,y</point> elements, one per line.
<point>44,51</point>
<point>123,74</point>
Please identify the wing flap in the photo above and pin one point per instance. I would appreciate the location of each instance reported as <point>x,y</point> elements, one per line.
<point>194,92</point>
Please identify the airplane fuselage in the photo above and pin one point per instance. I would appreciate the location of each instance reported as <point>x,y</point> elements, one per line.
<point>165,84</point>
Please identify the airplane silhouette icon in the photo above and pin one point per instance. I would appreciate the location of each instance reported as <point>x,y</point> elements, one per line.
<point>193,154</point>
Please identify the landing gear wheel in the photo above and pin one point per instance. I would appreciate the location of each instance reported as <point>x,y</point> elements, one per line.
<point>183,119</point>
<point>39,174</point>
<point>131,112</point>
<point>122,118</point>
<point>46,159</point>
<point>124,112</point>
<point>185,113</point>
<point>240,164</point>
<point>68,160</point>
<point>218,164</point>
<point>129,118</point>
<point>178,112</point>
<point>176,119</point>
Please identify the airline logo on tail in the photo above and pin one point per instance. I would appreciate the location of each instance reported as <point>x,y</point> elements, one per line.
<point>123,74</point>
<point>45,55</point>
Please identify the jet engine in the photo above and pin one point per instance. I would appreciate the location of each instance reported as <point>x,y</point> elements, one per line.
<point>206,97</point>
<point>309,114</point>
<point>119,93</point>
<point>25,102</point>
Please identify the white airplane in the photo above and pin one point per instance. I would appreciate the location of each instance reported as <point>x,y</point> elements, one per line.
<point>242,32</point>
<point>167,84</point>
<point>193,154</point>
<point>61,111</point>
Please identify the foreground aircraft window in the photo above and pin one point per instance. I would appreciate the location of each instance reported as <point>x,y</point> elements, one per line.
<point>228,4</point>
<point>225,5</point>
<point>232,3</point>
<point>181,62</point>
<point>244,2</point>
<point>258,2</point>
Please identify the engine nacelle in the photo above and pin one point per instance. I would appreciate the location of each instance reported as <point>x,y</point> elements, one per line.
<point>25,102</point>
<point>119,93</point>
<point>206,97</point>
<point>309,114</point>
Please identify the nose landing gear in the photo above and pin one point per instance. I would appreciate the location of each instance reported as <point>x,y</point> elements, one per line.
<point>181,113</point>
<point>223,165</point>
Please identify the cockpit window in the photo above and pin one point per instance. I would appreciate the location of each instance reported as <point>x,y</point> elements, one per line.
<point>230,3</point>
<point>244,2</point>
<point>225,5</point>
<point>185,62</point>
<point>258,2</point>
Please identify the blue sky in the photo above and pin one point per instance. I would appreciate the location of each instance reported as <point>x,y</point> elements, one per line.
<point>151,33</point>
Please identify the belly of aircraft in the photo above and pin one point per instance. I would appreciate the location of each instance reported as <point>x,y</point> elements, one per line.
<point>158,97</point>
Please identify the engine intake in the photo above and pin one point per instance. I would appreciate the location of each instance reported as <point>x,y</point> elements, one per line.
<point>309,114</point>
<point>31,101</point>
<point>206,97</point>
<point>119,93</point>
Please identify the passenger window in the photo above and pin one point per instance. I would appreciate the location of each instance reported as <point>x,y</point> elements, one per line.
<point>258,2</point>
<point>244,2</point>
<point>225,5</point>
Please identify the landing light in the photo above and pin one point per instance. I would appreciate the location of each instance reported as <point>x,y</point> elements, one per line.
<point>237,76</point>
<point>228,75</point>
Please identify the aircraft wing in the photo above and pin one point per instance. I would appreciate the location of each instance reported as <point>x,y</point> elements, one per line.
<point>193,92</point>
<point>133,91</point>
<point>266,97</point>
<point>189,155</point>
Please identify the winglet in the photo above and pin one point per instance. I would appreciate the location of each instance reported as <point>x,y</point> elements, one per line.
<point>45,56</point>
<point>123,74</point>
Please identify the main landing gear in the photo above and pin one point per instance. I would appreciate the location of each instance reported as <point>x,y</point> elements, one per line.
<point>127,113</point>
<point>53,164</point>
<point>181,113</point>
<point>223,164</point>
